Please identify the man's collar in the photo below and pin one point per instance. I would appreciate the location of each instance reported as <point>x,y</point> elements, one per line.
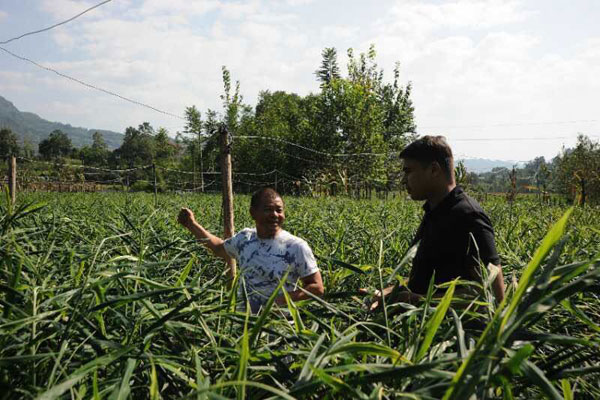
<point>448,201</point>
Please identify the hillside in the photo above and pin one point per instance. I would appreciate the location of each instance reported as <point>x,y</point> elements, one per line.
<point>35,129</point>
<point>479,165</point>
<point>30,126</point>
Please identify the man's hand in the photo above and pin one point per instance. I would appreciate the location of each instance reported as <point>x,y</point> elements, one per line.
<point>186,217</point>
<point>281,301</point>
<point>398,295</point>
<point>374,302</point>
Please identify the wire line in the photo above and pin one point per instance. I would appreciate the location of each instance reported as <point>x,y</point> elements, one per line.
<point>506,124</point>
<point>88,85</point>
<point>55,25</point>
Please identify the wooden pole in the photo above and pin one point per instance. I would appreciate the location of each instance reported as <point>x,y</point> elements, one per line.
<point>226,176</point>
<point>12,178</point>
<point>201,170</point>
<point>155,189</point>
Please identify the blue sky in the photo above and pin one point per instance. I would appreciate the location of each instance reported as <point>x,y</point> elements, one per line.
<point>479,68</point>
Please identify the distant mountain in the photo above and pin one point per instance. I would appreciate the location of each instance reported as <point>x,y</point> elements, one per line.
<point>479,165</point>
<point>30,126</point>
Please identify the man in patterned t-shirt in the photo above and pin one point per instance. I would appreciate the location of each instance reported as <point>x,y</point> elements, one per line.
<point>264,253</point>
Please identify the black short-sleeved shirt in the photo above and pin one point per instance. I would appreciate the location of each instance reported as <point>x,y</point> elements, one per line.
<point>446,245</point>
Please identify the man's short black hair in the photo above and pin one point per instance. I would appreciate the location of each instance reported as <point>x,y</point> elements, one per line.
<point>429,149</point>
<point>261,193</point>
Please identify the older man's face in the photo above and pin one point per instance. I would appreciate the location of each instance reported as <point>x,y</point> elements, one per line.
<point>269,216</point>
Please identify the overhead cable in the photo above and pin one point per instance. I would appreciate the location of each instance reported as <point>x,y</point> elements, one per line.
<point>508,124</point>
<point>55,25</point>
<point>88,85</point>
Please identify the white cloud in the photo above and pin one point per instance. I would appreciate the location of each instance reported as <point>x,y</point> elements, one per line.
<point>296,3</point>
<point>472,62</point>
<point>178,7</point>
<point>15,81</point>
<point>471,66</point>
<point>184,65</point>
<point>240,9</point>
<point>63,9</point>
<point>66,41</point>
<point>335,33</point>
<point>418,16</point>
<point>3,15</point>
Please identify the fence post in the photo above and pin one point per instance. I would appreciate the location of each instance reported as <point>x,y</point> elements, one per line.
<point>12,178</point>
<point>155,190</point>
<point>226,177</point>
<point>201,170</point>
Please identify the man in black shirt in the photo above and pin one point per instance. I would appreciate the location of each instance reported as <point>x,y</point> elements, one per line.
<point>455,233</point>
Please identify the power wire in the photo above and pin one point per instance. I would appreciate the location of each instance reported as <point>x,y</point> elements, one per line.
<point>56,25</point>
<point>512,139</point>
<point>91,86</point>
<point>506,124</point>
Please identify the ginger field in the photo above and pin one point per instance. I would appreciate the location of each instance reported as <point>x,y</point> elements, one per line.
<point>104,295</point>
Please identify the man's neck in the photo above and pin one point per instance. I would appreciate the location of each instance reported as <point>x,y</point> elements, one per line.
<point>436,198</point>
<point>265,235</point>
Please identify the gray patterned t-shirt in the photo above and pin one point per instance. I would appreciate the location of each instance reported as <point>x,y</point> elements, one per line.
<point>263,262</point>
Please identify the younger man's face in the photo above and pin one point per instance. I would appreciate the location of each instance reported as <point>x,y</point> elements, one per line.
<point>418,179</point>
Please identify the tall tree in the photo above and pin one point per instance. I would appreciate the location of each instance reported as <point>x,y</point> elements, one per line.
<point>352,118</point>
<point>399,127</point>
<point>57,144</point>
<point>98,143</point>
<point>8,143</point>
<point>164,149</point>
<point>28,150</point>
<point>278,115</point>
<point>232,101</point>
<point>137,148</point>
<point>329,70</point>
<point>578,170</point>
<point>194,144</point>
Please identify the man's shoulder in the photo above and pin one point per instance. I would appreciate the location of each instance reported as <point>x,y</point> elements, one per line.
<point>466,206</point>
<point>469,213</point>
<point>246,233</point>
<point>291,240</point>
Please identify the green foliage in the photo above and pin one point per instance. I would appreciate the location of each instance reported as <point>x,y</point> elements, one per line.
<point>359,113</point>
<point>8,144</point>
<point>329,70</point>
<point>356,113</point>
<point>104,295</point>
<point>164,149</point>
<point>56,145</point>
<point>97,154</point>
<point>232,102</point>
<point>138,147</point>
<point>573,174</point>
<point>578,170</point>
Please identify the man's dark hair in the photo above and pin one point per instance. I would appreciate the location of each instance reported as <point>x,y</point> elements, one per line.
<point>257,196</point>
<point>429,149</point>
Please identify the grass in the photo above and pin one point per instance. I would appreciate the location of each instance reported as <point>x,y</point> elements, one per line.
<point>104,296</point>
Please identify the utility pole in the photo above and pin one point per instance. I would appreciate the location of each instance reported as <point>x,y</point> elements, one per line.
<point>12,178</point>
<point>226,177</point>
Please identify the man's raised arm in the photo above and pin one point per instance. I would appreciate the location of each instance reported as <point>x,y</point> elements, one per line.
<point>212,242</point>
